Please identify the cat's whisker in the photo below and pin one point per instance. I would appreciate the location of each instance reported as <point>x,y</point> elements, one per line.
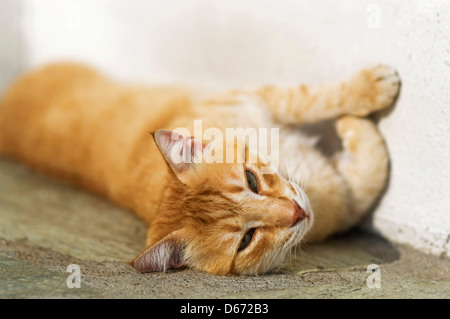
<point>283,250</point>
<point>273,258</point>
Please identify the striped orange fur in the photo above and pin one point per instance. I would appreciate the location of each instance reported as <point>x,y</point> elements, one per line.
<point>224,218</point>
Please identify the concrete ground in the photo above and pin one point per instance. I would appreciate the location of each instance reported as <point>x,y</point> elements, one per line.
<point>46,226</point>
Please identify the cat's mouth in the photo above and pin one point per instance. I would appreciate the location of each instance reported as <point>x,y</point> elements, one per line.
<point>299,220</point>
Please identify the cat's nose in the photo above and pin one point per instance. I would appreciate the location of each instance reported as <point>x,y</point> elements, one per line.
<point>299,214</point>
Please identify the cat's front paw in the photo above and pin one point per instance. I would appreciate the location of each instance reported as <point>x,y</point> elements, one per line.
<point>376,89</point>
<point>387,83</point>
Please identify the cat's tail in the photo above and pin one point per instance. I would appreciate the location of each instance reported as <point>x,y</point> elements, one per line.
<point>363,163</point>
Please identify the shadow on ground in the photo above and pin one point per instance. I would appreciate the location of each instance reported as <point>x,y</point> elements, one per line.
<point>46,226</point>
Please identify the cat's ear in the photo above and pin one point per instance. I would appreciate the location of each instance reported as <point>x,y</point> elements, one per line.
<point>180,152</point>
<point>166,254</point>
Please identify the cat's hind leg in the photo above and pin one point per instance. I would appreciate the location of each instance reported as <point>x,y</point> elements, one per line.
<point>363,162</point>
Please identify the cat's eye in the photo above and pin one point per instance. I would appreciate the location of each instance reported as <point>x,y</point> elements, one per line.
<point>252,181</point>
<point>247,239</point>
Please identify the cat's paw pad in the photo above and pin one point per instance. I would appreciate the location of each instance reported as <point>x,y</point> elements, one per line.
<point>379,87</point>
<point>387,85</point>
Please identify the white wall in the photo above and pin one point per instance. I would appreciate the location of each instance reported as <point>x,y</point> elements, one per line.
<point>9,41</point>
<point>232,42</point>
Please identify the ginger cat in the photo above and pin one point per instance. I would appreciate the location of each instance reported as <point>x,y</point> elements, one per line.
<point>238,217</point>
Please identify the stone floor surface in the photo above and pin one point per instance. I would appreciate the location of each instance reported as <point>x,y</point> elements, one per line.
<point>45,226</point>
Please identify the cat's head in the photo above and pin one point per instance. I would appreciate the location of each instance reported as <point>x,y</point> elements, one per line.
<point>223,218</point>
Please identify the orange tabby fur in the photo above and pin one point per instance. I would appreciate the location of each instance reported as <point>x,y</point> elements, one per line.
<point>73,123</point>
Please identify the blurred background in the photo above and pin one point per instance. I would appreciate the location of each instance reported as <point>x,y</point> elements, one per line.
<point>228,43</point>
